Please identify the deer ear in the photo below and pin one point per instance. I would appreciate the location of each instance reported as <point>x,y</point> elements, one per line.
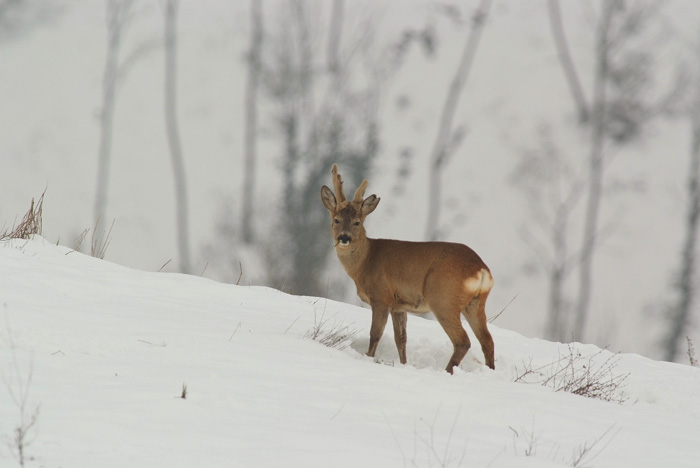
<point>369,204</point>
<point>328,199</point>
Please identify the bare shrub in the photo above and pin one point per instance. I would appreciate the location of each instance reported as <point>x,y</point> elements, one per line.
<point>329,332</point>
<point>529,438</point>
<point>18,384</point>
<point>586,452</point>
<point>575,373</point>
<point>526,442</point>
<point>30,224</point>
<point>430,450</point>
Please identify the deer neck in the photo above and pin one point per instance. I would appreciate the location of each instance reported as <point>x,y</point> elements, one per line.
<point>354,257</point>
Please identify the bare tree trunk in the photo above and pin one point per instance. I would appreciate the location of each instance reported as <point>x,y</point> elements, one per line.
<point>595,169</point>
<point>439,155</point>
<point>182,224</point>
<point>117,15</point>
<point>308,127</point>
<point>251,118</point>
<point>555,323</point>
<point>567,64</point>
<point>335,33</point>
<point>680,314</point>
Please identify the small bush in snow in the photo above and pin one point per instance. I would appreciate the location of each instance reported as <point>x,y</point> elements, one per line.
<point>527,442</point>
<point>578,374</point>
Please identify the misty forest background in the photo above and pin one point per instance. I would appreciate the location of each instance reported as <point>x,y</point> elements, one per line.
<point>560,140</point>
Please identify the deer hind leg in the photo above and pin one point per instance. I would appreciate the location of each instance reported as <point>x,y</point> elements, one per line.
<point>451,323</point>
<point>399,321</point>
<point>475,313</point>
<point>380,315</point>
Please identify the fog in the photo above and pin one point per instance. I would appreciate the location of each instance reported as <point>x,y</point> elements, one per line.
<point>514,179</point>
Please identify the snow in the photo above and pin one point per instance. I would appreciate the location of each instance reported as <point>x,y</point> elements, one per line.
<point>109,348</point>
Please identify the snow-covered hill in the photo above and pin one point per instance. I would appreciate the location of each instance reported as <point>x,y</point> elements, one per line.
<point>103,352</point>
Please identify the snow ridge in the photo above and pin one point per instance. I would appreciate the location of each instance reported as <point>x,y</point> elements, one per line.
<point>109,349</point>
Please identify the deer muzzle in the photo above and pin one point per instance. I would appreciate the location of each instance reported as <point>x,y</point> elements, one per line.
<point>344,239</point>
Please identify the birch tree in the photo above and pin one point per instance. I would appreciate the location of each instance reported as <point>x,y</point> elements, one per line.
<point>619,109</point>
<point>335,33</point>
<point>547,177</point>
<point>446,137</point>
<point>251,119</point>
<point>118,17</point>
<point>595,165</point>
<point>679,312</point>
<point>567,63</point>
<point>173,135</point>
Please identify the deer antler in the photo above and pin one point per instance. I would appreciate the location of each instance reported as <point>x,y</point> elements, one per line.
<point>337,184</point>
<point>360,193</point>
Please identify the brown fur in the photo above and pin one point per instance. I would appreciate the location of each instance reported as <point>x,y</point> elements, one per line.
<point>395,277</point>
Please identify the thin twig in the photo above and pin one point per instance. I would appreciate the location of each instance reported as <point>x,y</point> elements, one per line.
<point>338,412</point>
<point>584,452</point>
<point>290,325</point>
<point>240,265</point>
<point>164,265</point>
<point>79,241</point>
<point>393,434</point>
<point>162,345</point>
<point>234,331</point>
<point>492,319</point>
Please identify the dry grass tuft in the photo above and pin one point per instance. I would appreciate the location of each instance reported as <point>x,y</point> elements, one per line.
<point>30,224</point>
<point>331,333</point>
<point>99,241</point>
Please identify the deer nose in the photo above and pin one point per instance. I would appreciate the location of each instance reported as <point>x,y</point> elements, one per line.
<point>344,239</point>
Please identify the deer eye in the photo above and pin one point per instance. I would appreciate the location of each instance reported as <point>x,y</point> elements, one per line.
<point>356,223</point>
<point>336,220</point>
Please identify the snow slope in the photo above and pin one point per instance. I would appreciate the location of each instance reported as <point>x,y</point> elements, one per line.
<point>109,348</point>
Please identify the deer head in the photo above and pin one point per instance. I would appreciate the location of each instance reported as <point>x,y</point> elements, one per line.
<point>347,217</point>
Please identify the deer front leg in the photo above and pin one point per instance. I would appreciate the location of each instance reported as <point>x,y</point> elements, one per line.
<point>380,315</point>
<point>399,321</point>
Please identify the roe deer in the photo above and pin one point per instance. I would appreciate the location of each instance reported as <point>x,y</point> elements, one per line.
<point>395,277</point>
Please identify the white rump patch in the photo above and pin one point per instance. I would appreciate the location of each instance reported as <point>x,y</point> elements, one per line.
<point>481,281</point>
